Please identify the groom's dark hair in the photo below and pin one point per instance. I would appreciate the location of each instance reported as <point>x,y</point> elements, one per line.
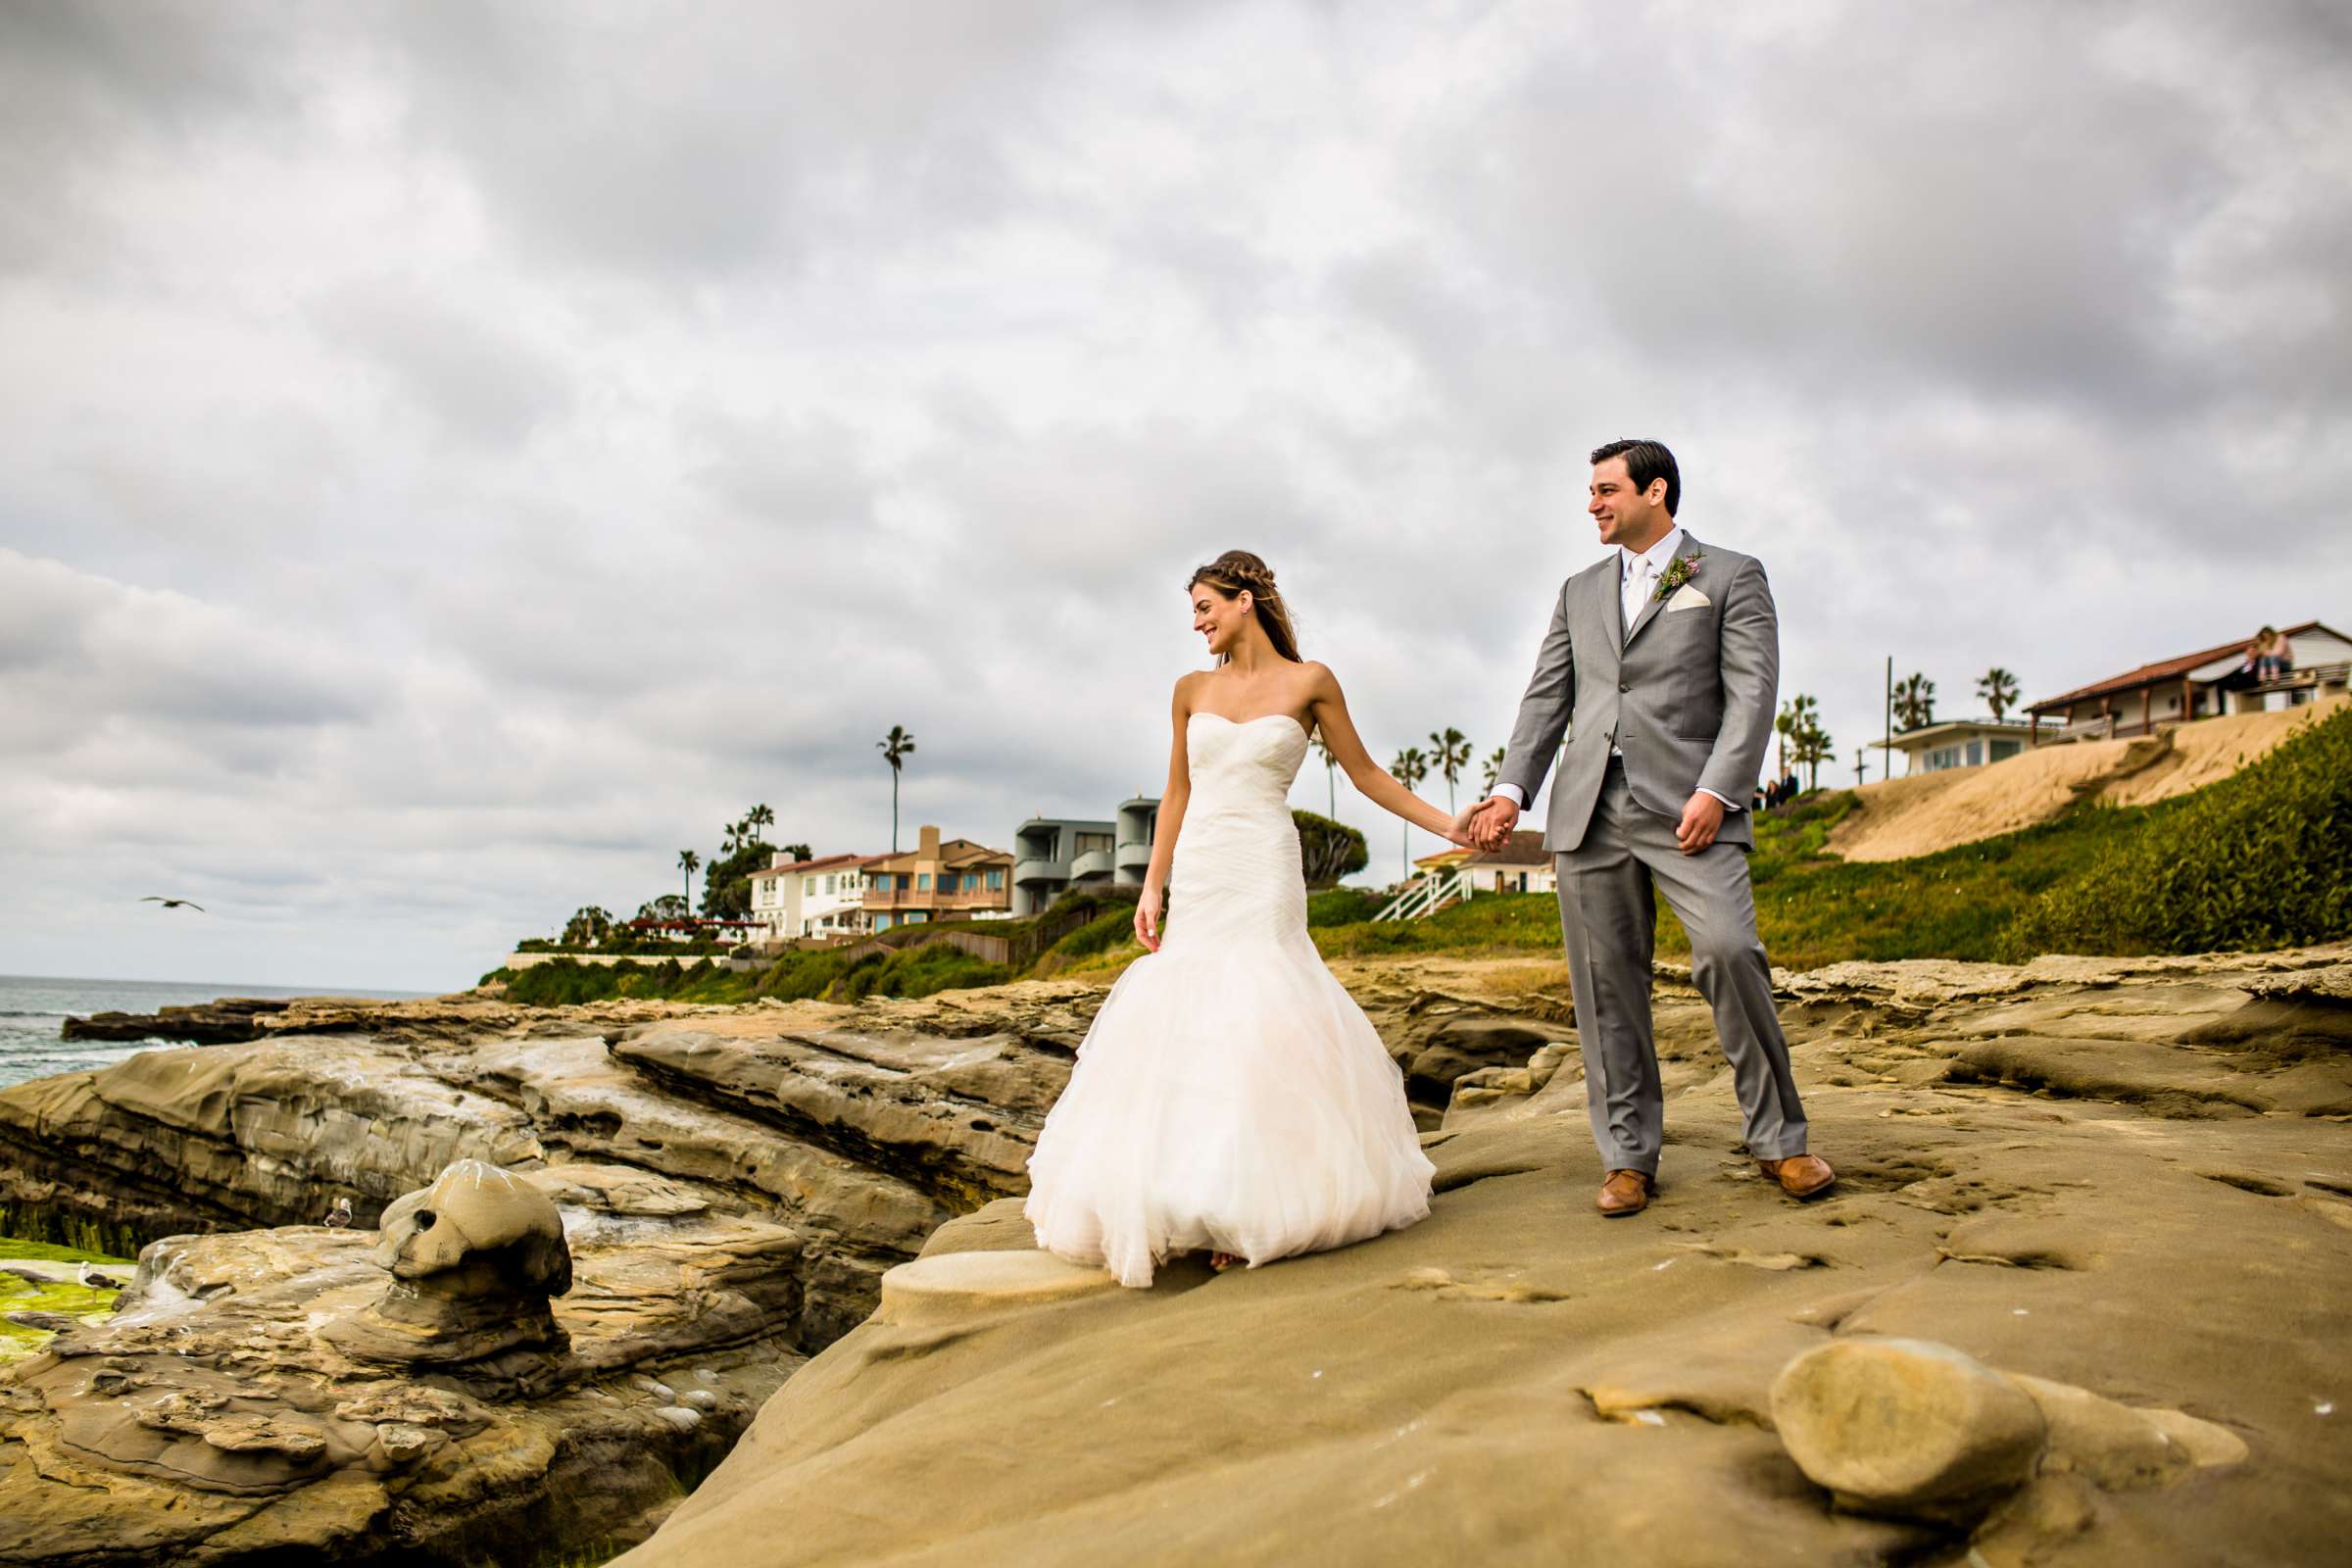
<point>1645,461</point>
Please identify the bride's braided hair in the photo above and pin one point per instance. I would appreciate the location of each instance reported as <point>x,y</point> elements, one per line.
<point>1237,569</point>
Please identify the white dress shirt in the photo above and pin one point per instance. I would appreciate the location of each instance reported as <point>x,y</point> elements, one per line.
<point>1637,583</point>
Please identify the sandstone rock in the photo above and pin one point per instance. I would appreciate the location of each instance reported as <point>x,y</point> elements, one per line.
<point>939,1290</point>
<point>1907,1428</point>
<point>474,1258</point>
<point>215,1418</point>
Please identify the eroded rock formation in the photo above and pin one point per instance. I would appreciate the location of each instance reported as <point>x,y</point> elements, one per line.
<point>2126,1185</point>
<point>312,1393</point>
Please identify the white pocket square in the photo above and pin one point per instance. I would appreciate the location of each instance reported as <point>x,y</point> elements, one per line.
<point>1689,598</point>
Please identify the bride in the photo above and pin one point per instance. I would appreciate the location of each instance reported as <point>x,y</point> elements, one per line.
<point>1231,1097</point>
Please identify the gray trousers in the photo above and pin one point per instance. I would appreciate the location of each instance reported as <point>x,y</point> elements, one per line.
<point>1608,920</point>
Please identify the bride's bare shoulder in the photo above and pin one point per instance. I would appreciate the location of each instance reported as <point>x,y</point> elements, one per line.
<point>1320,681</point>
<point>1188,688</point>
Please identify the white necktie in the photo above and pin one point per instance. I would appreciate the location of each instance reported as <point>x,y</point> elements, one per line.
<point>1636,589</point>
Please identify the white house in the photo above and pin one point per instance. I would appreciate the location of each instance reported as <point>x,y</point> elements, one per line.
<point>2201,685</point>
<point>823,897</point>
<point>1959,743</point>
<point>1522,866</point>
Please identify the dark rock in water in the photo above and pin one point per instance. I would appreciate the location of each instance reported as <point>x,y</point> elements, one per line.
<point>47,1322</point>
<point>227,1021</point>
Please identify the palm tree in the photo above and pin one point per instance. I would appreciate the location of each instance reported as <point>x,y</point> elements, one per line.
<point>1783,726</point>
<point>1494,767</point>
<point>689,862</point>
<point>1999,690</point>
<point>1410,768</point>
<point>1448,755</point>
<point>1331,777</point>
<point>758,817</point>
<point>1914,700</point>
<point>1813,747</point>
<point>893,746</point>
<point>799,851</point>
<point>1797,715</point>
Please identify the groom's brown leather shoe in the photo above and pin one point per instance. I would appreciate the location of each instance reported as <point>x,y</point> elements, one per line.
<point>1799,1175</point>
<point>1626,1192</point>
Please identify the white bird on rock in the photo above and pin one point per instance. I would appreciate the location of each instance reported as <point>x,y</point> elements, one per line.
<point>339,1217</point>
<point>91,1278</point>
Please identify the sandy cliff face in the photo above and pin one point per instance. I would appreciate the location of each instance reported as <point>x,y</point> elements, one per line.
<point>1925,812</point>
<point>2129,1183</point>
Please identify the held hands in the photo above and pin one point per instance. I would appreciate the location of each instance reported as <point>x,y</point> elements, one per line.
<point>1485,825</point>
<point>1147,917</point>
<point>1701,819</point>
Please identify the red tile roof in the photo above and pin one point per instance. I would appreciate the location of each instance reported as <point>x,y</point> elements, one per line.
<point>822,863</point>
<point>2162,670</point>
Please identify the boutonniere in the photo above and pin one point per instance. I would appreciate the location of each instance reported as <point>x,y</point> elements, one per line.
<point>1680,570</point>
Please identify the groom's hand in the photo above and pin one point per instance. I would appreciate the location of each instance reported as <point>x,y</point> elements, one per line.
<point>1701,819</point>
<point>1491,821</point>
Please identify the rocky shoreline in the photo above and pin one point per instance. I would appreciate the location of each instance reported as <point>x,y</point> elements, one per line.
<point>2103,1175</point>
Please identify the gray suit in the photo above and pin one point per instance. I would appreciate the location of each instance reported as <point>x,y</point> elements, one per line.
<point>1686,695</point>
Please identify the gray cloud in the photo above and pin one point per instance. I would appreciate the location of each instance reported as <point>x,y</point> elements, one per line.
<point>453,456</point>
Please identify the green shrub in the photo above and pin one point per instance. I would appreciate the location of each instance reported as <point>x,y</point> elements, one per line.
<point>1099,934</point>
<point>2260,859</point>
<point>1343,905</point>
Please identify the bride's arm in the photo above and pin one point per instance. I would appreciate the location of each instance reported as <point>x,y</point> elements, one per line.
<point>1330,707</point>
<point>1169,823</point>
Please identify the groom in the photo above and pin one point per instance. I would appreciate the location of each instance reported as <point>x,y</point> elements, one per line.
<point>1660,665</point>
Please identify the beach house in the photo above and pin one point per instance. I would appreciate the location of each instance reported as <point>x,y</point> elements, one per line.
<point>950,879</point>
<point>1053,855</point>
<point>2204,684</point>
<point>1959,743</point>
<point>821,898</point>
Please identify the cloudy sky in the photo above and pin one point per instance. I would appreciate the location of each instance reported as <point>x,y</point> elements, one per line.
<point>455,456</point>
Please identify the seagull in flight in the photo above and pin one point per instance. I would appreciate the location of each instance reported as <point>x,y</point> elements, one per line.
<point>173,904</point>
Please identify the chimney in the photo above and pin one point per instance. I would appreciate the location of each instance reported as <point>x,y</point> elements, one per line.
<point>928,847</point>
<point>778,858</point>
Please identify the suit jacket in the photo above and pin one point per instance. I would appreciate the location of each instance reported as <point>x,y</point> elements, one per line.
<point>1687,696</point>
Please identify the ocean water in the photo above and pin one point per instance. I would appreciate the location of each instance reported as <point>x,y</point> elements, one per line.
<point>33,1007</point>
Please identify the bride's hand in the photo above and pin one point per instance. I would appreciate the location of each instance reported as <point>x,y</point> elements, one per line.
<point>1146,918</point>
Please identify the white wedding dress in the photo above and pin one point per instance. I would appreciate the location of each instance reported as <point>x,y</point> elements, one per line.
<point>1231,1095</point>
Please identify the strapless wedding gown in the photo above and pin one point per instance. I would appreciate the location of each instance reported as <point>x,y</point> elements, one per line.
<point>1231,1095</point>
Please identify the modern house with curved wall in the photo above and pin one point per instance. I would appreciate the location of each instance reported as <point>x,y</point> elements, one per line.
<point>1052,855</point>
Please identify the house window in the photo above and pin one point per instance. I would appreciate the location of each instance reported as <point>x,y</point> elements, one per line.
<point>1523,881</point>
<point>828,884</point>
<point>916,917</point>
<point>808,887</point>
<point>1976,753</point>
<point>922,881</point>
<point>996,881</point>
<point>2006,749</point>
<point>881,923</point>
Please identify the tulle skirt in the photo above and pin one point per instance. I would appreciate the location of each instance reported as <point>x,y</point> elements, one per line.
<point>1231,1097</point>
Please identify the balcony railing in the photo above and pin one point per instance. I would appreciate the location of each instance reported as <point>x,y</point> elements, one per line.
<point>1037,869</point>
<point>980,897</point>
